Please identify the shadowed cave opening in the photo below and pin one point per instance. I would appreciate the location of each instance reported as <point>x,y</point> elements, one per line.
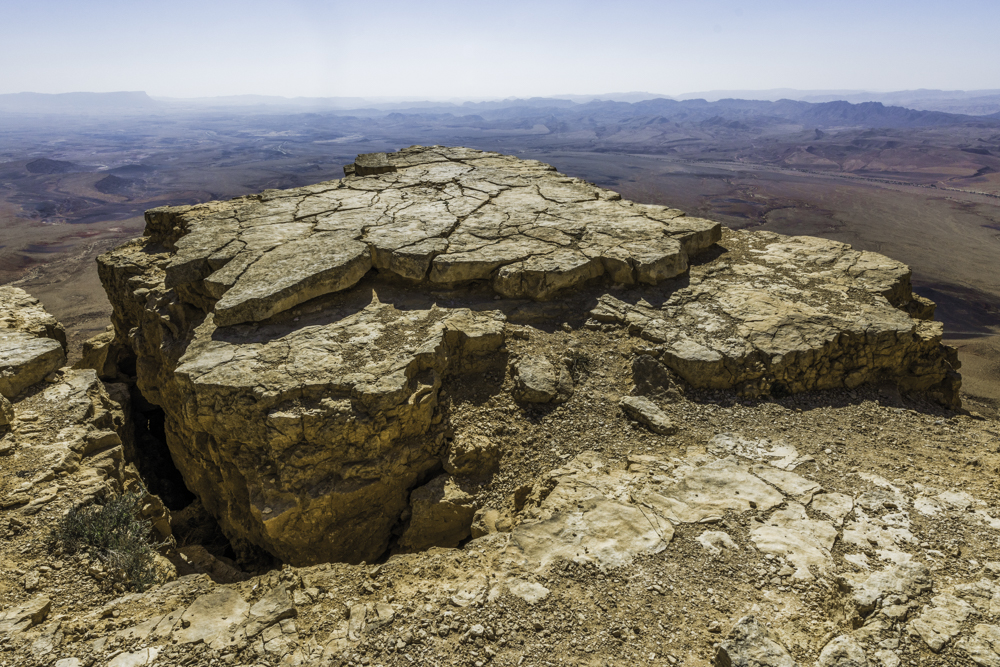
<point>190,522</point>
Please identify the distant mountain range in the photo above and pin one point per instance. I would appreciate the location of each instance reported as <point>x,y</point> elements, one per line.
<point>814,108</point>
<point>970,102</point>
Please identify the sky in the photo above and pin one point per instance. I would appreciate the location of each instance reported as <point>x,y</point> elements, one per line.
<point>439,49</point>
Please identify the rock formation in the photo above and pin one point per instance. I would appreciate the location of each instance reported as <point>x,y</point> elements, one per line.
<point>32,343</point>
<point>299,341</point>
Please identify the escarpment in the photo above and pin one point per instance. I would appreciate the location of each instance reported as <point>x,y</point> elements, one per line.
<point>300,342</point>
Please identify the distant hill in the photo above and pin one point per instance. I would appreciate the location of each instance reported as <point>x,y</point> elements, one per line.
<point>722,112</point>
<point>617,107</point>
<point>970,102</point>
<point>79,103</point>
<point>47,166</point>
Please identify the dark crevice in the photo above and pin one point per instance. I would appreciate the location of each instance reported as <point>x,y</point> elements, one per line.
<point>153,458</point>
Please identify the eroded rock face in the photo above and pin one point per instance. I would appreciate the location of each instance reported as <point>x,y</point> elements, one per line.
<point>298,341</point>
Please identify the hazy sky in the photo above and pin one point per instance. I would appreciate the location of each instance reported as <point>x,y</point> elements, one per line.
<point>437,48</point>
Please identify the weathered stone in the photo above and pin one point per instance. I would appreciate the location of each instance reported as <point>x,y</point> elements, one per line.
<point>842,651</point>
<point>776,454</point>
<point>579,514</point>
<point>887,658</point>
<point>25,360</point>
<point>146,656</point>
<point>32,343</point>
<point>19,311</point>
<point>261,255</point>
<point>442,514</point>
<point>195,558</point>
<point>6,411</point>
<point>984,646</point>
<point>530,592</point>
<point>749,644</point>
<point>275,606</point>
<point>298,341</point>
<point>100,353</point>
<point>910,579</point>
<point>715,541</point>
<point>703,494</point>
<point>789,483</point>
<point>472,456</point>
<point>370,164</point>
<point>942,621</point>
<point>834,505</point>
<point>648,413</point>
<point>20,618</point>
<point>803,542</point>
<point>538,380</point>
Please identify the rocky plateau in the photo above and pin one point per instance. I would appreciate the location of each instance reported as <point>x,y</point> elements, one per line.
<point>457,408</point>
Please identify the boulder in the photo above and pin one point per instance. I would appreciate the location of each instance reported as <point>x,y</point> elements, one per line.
<point>538,380</point>
<point>100,353</point>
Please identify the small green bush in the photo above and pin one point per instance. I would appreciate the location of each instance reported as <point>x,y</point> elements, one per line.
<point>113,533</point>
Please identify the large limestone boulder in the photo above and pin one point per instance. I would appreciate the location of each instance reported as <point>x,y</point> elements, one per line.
<point>299,341</point>
<point>32,342</point>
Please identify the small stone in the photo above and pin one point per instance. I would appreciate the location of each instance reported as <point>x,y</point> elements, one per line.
<point>646,412</point>
<point>31,581</point>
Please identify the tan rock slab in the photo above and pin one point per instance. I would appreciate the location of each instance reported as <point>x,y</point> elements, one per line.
<point>939,623</point>
<point>215,615</point>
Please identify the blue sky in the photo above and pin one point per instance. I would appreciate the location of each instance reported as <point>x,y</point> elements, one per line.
<point>442,49</point>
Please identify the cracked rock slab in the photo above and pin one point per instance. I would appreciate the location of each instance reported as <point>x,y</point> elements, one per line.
<point>937,624</point>
<point>425,214</point>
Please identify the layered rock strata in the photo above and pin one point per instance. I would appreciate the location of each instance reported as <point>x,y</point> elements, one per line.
<point>299,341</point>
<point>777,314</point>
